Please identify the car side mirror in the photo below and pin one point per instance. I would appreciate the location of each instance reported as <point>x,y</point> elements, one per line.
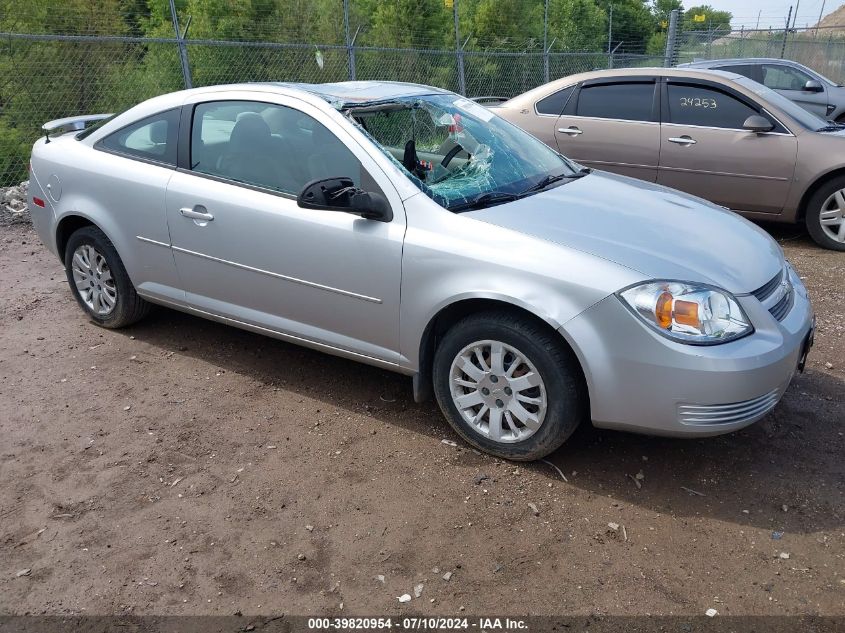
<point>758,124</point>
<point>813,86</point>
<point>341,194</point>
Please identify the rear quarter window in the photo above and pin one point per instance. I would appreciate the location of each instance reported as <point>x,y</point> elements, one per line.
<point>153,138</point>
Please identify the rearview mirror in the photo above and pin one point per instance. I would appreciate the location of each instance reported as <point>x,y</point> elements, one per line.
<point>341,194</point>
<point>813,86</point>
<point>758,124</point>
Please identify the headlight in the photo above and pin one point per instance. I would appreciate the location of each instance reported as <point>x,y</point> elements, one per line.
<point>688,313</point>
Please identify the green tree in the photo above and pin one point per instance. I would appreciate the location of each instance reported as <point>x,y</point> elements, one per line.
<point>577,25</point>
<point>633,24</point>
<point>713,19</point>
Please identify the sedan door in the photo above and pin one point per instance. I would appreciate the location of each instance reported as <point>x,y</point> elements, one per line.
<point>613,124</point>
<point>706,152</point>
<point>791,82</point>
<point>245,250</point>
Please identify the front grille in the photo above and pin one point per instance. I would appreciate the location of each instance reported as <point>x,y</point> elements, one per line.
<point>776,295</point>
<point>781,308</point>
<point>746,411</point>
<point>765,291</point>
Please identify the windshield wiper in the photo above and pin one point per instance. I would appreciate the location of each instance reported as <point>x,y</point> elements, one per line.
<point>485,200</point>
<point>553,178</point>
<point>836,127</point>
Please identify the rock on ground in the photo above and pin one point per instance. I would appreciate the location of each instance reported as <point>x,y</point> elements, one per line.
<point>13,206</point>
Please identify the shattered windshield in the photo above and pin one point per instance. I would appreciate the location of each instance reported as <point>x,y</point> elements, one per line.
<point>458,152</point>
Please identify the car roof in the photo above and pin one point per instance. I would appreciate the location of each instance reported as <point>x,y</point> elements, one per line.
<point>362,92</point>
<point>530,97</point>
<point>705,63</point>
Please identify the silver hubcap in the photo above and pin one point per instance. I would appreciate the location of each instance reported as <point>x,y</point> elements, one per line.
<point>93,280</point>
<point>498,391</point>
<point>832,216</point>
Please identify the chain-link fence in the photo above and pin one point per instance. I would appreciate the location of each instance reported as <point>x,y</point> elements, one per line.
<point>77,57</point>
<point>822,49</point>
<point>52,76</point>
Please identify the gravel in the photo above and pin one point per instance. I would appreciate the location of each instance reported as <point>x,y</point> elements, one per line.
<point>13,207</point>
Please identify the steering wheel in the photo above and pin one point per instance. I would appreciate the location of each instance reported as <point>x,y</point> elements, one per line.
<point>450,155</point>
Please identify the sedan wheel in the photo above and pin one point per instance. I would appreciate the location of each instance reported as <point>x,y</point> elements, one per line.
<point>99,281</point>
<point>832,216</point>
<point>93,280</point>
<point>825,216</point>
<point>509,385</point>
<point>498,391</point>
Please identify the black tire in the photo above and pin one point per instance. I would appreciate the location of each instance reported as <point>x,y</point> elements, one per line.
<point>554,361</point>
<point>128,307</point>
<point>814,209</point>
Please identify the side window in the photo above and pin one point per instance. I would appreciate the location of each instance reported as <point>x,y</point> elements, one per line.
<point>779,77</point>
<point>691,104</point>
<point>746,70</point>
<point>269,146</point>
<point>153,138</point>
<point>554,103</point>
<point>627,101</point>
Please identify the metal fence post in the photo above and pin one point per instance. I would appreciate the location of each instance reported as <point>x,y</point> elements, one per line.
<point>672,40</point>
<point>546,42</point>
<point>786,33</point>
<point>350,43</point>
<point>183,50</point>
<point>459,52</point>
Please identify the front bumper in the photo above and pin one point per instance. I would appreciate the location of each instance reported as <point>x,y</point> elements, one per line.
<point>640,381</point>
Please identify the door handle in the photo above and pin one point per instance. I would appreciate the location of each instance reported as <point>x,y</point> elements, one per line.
<point>197,213</point>
<point>683,140</point>
<point>571,130</point>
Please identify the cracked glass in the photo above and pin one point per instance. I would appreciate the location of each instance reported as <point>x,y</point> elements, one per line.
<point>457,151</point>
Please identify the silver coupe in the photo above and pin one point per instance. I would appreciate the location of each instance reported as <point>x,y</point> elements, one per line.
<point>410,228</point>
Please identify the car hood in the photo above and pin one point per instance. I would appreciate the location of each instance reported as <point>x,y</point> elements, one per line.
<point>659,232</point>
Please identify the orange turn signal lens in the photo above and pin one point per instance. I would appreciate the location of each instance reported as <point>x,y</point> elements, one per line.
<point>663,310</point>
<point>686,313</point>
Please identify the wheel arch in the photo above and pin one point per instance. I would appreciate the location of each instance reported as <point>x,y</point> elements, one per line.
<point>819,182</point>
<point>452,312</point>
<point>67,226</point>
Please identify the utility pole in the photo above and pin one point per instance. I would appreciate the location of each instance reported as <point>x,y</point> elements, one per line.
<point>610,38</point>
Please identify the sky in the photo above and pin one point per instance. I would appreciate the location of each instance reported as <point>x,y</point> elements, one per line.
<point>772,12</point>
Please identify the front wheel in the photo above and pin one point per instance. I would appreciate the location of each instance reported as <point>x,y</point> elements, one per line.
<point>508,386</point>
<point>825,216</point>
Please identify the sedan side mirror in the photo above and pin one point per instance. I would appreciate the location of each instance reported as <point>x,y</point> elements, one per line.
<point>341,194</point>
<point>813,86</point>
<point>758,124</point>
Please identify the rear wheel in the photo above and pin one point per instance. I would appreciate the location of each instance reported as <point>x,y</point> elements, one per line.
<point>825,216</point>
<point>99,281</point>
<point>508,386</point>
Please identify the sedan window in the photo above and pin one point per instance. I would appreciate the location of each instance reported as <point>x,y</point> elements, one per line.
<point>780,77</point>
<point>691,104</point>
<point>152,138</point>
<point>266,145</point>
<point>555,102</point>
<point>746,70</point>
<point>625,101</point>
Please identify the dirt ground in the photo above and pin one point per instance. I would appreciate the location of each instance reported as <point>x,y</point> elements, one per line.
<point>185,467</point>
